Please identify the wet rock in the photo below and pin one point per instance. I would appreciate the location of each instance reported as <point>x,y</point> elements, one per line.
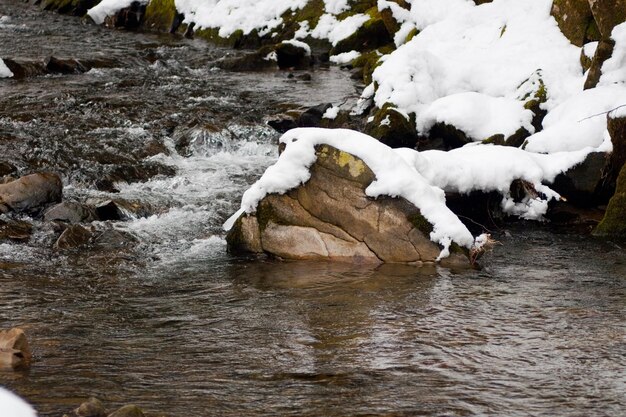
<point>55,65</point>
<point>603,52</point>
<point>31,192</point>
<point>392,128</point>
<point>14,349</point>
<point>282,125</point>
<point>256,61</point>
<point>15,230</point>
<point>122,210</point>
<point>289,55</point>
<point>6,168</point>
<point>128,411</point>
<point>189,30</point>
<point>91,408</point>
<point>130,17</point>
<point>110,239</point>
<point>71,212</point>
<point>73,237</point>
<point>136,172</point>
<point>617,130</point>
<point>24,69</point>
<point>579,185</point>
<point>312,117</point>
<point>330,217</point>
<point>614,221</point>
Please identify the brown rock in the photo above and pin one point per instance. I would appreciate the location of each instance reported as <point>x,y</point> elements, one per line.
<point>573,17</point>
<point>71,212</point>
<point>603,52</point>
<point>73,237</point>
<point>15,230</point>
<point>14,349</point>
<point>330,217</point>
<point>128,411</point>
<point>31,191</point>
<point>608,14</point>
<point>91,408</point>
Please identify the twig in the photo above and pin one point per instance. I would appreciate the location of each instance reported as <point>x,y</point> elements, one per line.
<point>476,223</point>
<point>604,112</point>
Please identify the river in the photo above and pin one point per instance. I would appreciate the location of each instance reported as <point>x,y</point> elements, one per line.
<point>176,325</point>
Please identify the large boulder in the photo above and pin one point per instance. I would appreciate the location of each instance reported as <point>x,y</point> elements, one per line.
<point>31,192</point>
<point>331,218</point>
<point>573,17</point>
<point>14,349</point>
<point>608,14</point>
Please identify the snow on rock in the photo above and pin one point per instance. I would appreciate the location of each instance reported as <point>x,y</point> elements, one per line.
<point>478,115</point>
<point>232,15</point>
<point>336,6</point>
<point>614,68</point>
<point>109,8</point>
<point>345,58</point>
<point>13,406</point>
<point>394,177</point>
<point>300,44</point>
<point>335,30</point>
<point>491,50</point>
<point>331,113</point>
<point>579,122</point>
<point>5,72</point>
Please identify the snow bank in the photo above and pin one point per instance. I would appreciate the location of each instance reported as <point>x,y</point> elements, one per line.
<point>109,8</point>
<point>579,122</point>
<point>489,49</point>
<point>478,115</point>
<point>336,6</point>
<point>232,15</point>
<point>5,72</point>
<point>13,406</point>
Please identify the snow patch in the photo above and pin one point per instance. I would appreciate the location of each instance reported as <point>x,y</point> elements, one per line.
<point>300,44</point>
<point>5,72</point>
<point>335,30</point>
<point>13,406</point>
<point>344,58</point>
<point>614,68</point>
<point>331,113</point>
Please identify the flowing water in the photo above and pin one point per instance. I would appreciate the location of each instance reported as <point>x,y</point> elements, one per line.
<point>173,323</point>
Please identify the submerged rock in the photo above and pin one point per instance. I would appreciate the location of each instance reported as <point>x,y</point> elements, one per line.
<point>71,212</point>
<point>292,55</point>
<point>330,217</point>
<point>15,230</point>
<point>91,408</point>
<point>73,237</point>
<point>14,349</point>
<point>128,411</point>
<point>31,192</point>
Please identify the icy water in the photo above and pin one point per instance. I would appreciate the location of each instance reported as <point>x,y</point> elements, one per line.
<point>174,324</point>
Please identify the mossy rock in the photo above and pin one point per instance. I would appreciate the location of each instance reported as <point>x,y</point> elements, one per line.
<point>289,55</point>
<point>573,18</point>
<point>603,52</point>
<point>614,221</point>
<point>253,61</point>
<point>608,14</point>
<point>371,35</point>
<point>585,61</point>
<point>449,136</point>
<point>392,128</point>
<point>369,61</point>
<point>617,158</point>
<point>160,14</point>
<point>533,102</point>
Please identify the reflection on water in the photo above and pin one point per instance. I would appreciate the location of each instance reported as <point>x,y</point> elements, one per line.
<point>539,331</point>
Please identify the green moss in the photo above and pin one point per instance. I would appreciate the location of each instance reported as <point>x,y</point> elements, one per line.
<point>420,223</point>
<point>160,14</point>
<point>497,139</point>
<point>503,31</point>
<point>392,128</point>
<point>369,61</point>
<point>371,35</point>
<point>413,33</point>
<point>614,221</point>
<point>235,40</point>
<point>265,213</point>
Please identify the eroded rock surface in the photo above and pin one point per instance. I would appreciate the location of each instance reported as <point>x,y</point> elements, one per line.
<point>14,349</point>
<point>330,217</point>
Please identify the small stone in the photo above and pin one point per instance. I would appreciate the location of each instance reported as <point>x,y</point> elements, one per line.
<point>128,411</point>
<point>14,350</point>
<point>73,237</point>
<point>31,192</point>
<point>91,408</point>
<point>71,212</point>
